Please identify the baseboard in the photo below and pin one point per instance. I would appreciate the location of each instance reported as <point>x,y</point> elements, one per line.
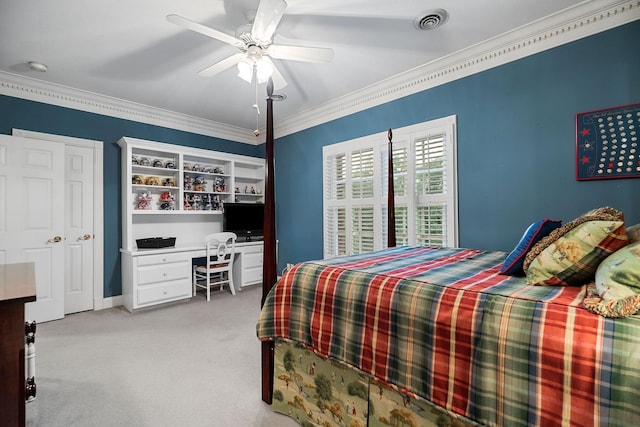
<point>104,303</point>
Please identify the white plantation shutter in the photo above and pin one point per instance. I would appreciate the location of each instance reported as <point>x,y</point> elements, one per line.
<point>433,173</point>
<point>425,186</point>
<point>362,173</point>
<point>362,228</point>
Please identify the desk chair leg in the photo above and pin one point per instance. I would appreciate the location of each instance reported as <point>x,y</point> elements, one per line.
<point>193,281</point>
<point>231,287</point>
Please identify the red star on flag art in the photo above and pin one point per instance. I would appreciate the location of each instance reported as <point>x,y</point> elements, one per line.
<point>584,160</point>
<point>585,132</point>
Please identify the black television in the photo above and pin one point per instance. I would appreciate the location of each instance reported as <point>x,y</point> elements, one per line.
<point>244,219</point>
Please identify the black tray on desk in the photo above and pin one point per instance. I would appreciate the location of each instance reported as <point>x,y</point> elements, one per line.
<point>156,242</point>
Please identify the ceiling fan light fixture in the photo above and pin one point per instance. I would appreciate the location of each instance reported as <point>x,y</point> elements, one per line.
<point>264,69</point>
<point>245,70</point>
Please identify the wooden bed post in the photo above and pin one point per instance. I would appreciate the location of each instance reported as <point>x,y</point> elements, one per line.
<point>391,202</point>
<point>269,268</point>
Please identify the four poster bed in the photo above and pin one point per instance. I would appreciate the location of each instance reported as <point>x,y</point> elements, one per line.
<point>460,329</point>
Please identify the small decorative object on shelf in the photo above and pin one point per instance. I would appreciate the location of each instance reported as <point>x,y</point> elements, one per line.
<point>152,180</point>
<point>196,202</point>
<point>218,169</point>
<point>169,182</point>
<point>137,179</point>
<point>144,161</point>
<point>166,201</point>
<point>188,183</point>
<point>157,163</point>
<point>219,186</point>
<point>143,201</point>
<point>199,183</point>
<point>135,160</point>
<point>170,164</point>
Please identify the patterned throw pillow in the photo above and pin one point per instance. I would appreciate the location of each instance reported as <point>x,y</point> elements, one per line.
<point>633,233</point>
<point>512,265</point>
<point>571,254</point>
<point>616,291</point>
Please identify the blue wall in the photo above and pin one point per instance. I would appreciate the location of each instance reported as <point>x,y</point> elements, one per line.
<point>34,116</point>
<point>516,144</point>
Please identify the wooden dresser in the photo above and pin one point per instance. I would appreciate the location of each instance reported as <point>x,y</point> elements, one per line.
<point>17,287</point>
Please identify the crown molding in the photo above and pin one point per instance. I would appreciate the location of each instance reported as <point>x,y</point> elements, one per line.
<point>582,20</point>
<point>50,93</point>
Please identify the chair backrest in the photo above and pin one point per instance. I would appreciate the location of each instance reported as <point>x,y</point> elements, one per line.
<point>220,246</point>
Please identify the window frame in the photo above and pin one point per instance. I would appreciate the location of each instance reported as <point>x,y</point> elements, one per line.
<point>341,242</point>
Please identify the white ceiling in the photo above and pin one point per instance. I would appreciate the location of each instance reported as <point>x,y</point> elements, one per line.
<point>127,50</point>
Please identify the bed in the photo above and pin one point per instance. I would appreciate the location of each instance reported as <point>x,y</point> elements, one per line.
<point>448,326</point>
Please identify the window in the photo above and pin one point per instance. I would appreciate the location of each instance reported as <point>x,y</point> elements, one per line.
<point>425,187</point>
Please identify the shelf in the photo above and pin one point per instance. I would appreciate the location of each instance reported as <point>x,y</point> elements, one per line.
<point>214,171</point>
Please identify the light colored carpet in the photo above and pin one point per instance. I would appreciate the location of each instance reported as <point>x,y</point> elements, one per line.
<point>187,364</point>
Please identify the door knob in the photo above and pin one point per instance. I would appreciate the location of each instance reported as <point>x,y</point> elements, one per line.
<point>85,237</point>
<point>55,239</point>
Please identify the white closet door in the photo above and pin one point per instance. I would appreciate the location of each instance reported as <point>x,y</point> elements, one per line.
<point>32,218</point>
<point>79,230</point>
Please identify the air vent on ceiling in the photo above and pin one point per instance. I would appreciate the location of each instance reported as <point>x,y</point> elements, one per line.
<point>431,19</point>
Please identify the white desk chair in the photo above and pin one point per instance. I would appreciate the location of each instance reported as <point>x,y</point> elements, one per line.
<point>218,267</point>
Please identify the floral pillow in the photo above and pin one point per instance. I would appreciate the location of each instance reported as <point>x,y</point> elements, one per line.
<point>616,291</point>
<point>571,254</point>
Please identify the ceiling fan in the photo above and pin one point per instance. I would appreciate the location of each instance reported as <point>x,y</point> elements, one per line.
<point>255,42</point>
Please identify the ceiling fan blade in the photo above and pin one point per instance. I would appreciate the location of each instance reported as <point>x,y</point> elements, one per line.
<point>300,53</point>
<point>203,29</point>
<point>219,67</point>
<point>267,18</point>
<point>278,81</point>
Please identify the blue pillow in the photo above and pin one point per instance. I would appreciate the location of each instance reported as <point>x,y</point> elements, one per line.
<point>512,266</point>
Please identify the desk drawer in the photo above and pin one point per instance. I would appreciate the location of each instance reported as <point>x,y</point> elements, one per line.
<point>157,293</point>
<point>163,258</point>
<point>252,275</point>
<point>252,259</point>
<point>163,272</point>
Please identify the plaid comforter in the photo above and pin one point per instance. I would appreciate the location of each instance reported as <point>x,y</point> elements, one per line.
<point>443,324</point>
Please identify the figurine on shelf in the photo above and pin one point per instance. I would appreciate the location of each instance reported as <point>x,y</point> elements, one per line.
<point>219,186</point>
<point>199,184</point>
<point>157,163</point>
<point>218,169</point>
<point>135,160</point>
<point>166,201</point>
<point>196,202</point>
<point>217,203</point>
<point>143,200</point>
<point>137,179</point>
<point>188,183</point>
<point>237,190</point>
<point>187,202</point>
<point>253,190</point>
<point>152,180</point>
<point>169,182</point>
<point>170,164</point>
<point>144,161</point>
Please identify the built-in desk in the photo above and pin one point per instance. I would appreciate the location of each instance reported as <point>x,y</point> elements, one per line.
<point>157,276</point>
<point>17,287</point>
